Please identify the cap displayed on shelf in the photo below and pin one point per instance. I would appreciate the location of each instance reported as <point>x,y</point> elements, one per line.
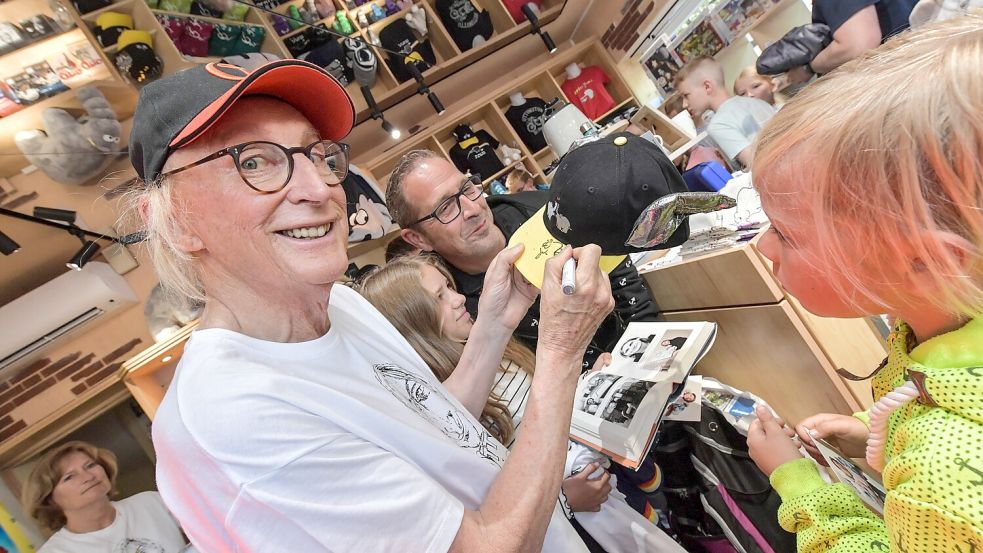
<point>597,194</point>
<point>174,111</point>
<point>109,25</point>
<point>136,58</point>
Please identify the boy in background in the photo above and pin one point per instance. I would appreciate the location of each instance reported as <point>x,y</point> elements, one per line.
<point>736,120</point>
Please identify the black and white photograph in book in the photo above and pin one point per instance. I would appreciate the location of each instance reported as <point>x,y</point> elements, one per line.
<point>663,355</point>
<point>623,405</point>
<point>634,348</point>
<point>595,391</point>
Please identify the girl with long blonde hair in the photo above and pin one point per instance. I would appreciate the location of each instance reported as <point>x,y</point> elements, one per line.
<point>873,180</point>
<point>418,296</point>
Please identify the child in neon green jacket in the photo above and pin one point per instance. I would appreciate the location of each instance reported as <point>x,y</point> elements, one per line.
<point>873,181</point>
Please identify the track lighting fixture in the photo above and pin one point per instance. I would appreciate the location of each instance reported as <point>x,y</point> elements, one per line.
<point>7,244</point>
<point>536,30</point>
<point>390,128</point>
<point>377,114</point>
<point>55,214</point>
<point>89,248</point>
<point>423,89</point>
<point>64,219</point>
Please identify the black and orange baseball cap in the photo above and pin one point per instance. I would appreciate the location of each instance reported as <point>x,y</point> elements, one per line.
<point>174,111</point>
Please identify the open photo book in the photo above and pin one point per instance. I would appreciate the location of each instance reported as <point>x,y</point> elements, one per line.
<point>617,409</point>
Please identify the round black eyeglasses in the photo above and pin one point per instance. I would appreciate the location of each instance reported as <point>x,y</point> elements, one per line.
<point>266,167</point>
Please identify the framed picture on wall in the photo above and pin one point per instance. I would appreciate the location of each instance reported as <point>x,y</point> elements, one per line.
<point>703,40</point>
<point>662,65</point>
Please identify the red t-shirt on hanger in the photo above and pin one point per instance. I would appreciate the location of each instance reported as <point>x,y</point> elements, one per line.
<point>587,92</point>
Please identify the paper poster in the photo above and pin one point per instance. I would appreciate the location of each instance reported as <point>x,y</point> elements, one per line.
<point>702,41</point>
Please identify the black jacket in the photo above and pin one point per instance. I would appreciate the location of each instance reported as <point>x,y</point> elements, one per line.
<point>631,296</point>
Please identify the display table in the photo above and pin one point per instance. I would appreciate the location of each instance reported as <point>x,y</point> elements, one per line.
<point>766,342</point>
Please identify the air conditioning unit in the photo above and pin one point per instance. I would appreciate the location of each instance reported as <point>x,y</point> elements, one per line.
<point>61,308</point>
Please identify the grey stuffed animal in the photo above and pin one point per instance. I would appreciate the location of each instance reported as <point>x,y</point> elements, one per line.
<point>70,150</point>
<point>166,313</point>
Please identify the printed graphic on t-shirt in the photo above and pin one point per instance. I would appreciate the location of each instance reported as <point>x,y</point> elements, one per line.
<point>428,402</point>
<point>463,14</point>
<point>138,545</point>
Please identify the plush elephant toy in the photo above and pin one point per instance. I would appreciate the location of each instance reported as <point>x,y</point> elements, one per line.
<point>70,150</point>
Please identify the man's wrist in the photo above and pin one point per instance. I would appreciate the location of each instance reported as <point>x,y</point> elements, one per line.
<point>809,68</point>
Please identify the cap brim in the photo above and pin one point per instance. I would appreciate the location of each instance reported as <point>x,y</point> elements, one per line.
<point>541,246</point>
<point>306,87</point>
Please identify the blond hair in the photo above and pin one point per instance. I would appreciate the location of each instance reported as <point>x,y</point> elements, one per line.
<point>751,71</point>
<point>150,206</point>
<point>891,142</point>
<point>36,496</point>
<point>702,66</point>
<point>397,292</point>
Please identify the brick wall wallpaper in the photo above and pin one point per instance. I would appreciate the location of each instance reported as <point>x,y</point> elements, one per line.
<point>52,382</point>
<point>625,30</point>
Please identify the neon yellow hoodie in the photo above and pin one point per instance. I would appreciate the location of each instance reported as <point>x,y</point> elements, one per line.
<point>934,470</point>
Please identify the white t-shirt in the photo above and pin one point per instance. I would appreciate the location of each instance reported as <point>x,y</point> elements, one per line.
<point>343,443</point>
<point>735,124</point>
<point>142,525</point>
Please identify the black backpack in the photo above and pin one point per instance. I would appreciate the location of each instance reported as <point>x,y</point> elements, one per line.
<point>718,499</point>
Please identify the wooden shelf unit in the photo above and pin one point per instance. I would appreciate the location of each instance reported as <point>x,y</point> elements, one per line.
<point>488,113</point>
<point>387,91</point>
<point>120,95</point>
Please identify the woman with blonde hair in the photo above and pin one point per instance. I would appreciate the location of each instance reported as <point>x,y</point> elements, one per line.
<point>418,296</point>
<point>872,179</point>
<point>68,493</point>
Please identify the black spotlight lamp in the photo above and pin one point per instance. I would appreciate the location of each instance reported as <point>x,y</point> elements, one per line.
<point>55,214</point>
<point>89,248</point>
<point>536,30</point>
<point>377,114</point>
<point>423,89</point>
<point>7,244</point>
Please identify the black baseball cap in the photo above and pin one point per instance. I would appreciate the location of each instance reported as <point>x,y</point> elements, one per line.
<point>598,192</point>
<point>175,110</point>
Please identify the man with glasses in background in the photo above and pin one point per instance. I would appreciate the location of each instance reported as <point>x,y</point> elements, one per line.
<point>443,211</point>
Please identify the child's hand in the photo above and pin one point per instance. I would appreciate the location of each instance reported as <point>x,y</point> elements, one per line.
<point>848,434</point>
<point>584,494</point>
<point>770,442</point>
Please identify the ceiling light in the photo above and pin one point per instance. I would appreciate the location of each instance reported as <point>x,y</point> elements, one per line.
<point>81,257</point>
<point>7,244</point>
<point>55,214</point>
<point>414,70</point>
<point>391,129</point>
<point>536,30</point>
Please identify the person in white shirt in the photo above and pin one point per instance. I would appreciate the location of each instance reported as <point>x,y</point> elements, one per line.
<point>68,492</point>
<point>417,295</point>
<point>298,419</point>
<point>736,120</point>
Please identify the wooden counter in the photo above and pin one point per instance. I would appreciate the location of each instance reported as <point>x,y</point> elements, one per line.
<point>766,342</point>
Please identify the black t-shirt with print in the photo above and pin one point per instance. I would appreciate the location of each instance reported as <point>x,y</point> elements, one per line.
<point>527,119</point>
<point>464,22</point>
<point>479,156</point>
